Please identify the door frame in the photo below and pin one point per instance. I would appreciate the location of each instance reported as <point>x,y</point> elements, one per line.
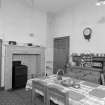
<point>64,37</point>
<point>1,62</point>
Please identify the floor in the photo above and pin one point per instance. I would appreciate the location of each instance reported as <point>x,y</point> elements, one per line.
<point>15,97</point>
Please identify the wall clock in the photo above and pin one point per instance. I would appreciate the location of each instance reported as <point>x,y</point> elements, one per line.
<point>87,33</point>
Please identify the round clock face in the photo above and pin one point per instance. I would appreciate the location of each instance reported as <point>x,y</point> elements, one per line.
<point>87,31</point>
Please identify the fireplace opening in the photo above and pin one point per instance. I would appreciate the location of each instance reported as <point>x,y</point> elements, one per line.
<point>19,75</point>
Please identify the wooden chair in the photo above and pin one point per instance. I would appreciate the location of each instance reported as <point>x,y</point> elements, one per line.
<point>56,97</point>
<point>39,93</point>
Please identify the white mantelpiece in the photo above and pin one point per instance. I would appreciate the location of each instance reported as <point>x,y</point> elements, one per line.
<point>11,50</point>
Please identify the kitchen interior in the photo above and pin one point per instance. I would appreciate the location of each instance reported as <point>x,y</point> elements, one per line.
<point>52,50</point>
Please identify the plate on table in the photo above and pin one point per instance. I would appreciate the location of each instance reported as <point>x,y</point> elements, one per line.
<point>77,86</point>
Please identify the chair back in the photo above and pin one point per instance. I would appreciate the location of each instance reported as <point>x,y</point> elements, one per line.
<point>39,93</point>
<point>55,96</point>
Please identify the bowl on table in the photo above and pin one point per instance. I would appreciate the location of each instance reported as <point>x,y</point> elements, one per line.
<point>67,83</point>
<point>77,86</point>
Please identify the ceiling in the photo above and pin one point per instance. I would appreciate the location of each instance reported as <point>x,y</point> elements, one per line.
<point>52,5</point>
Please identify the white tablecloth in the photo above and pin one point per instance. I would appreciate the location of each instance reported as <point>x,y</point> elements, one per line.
<point>84,89</point>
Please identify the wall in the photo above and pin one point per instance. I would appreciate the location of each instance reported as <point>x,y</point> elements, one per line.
<point>18,19</point>
<point>49,45</point>
<point>73,20</point>
<point>63,24</point>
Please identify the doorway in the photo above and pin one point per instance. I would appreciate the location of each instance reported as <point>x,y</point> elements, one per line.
<point>0,60</point>
<point>61,53</point>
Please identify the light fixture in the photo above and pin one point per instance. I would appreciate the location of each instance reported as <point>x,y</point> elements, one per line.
<point>100,2</point>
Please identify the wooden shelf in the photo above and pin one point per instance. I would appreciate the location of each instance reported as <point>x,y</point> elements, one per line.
<point>96,62</point>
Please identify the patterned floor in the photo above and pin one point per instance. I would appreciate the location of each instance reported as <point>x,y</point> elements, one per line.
<point>15,97</point>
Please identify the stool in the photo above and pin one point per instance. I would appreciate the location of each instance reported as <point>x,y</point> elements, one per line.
<point>39,93</point>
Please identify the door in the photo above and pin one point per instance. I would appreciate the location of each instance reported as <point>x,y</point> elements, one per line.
<point>61,53</point>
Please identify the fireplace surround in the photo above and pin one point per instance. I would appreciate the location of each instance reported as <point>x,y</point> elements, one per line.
<point>11,51</point>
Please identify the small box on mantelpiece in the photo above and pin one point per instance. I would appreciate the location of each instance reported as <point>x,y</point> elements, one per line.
<point>12,43</point>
